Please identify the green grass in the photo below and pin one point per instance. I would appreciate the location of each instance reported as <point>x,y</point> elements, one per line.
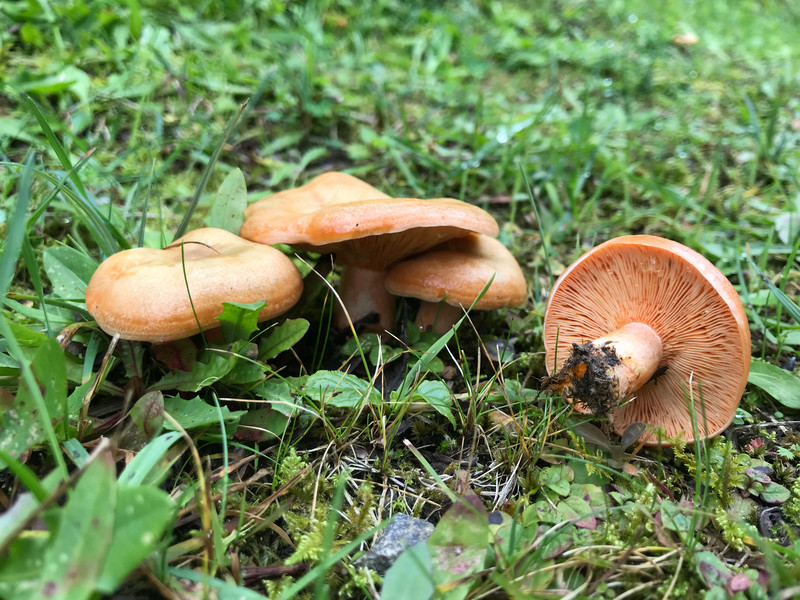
<point>269,464</point>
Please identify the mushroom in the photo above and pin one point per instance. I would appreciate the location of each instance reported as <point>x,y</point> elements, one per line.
<point>453,274</point>
<point>141,294</point>
<point>685,39</point>
<point>645,318</point>
<point>366,230</point>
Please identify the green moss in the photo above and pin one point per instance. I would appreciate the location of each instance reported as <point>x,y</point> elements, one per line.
<point>791,509</point>
<point>732,532</point>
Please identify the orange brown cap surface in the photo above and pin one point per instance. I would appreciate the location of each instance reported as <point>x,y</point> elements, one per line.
<point>341,214</point>
<point>366,230</point>
<point>689,305</point>
<point>458,270</point>
<point>141,293</point>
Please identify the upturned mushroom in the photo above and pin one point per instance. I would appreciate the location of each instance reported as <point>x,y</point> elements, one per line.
<point>366,230</point>
<point>141,294</point>
<point>451,276</point>
<point>649,321</point>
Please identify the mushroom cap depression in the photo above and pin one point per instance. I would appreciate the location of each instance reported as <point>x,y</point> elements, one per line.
<point>141,293</point>
<point>686,300</point>
<point>364,227</point>
<point>458,270</point>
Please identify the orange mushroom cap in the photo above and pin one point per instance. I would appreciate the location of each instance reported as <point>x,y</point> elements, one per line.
<point>456,272</point>
<point>686,301</point>
<point>141,293</point>
<point>341,214</point>
<point>365,228</point>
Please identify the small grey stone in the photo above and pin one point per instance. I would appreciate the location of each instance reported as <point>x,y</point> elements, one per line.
<point>401,533</point>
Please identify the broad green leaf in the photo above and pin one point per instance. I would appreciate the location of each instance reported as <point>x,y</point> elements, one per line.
<point>775,493</point>
<point>338,389</point>
<point>259,424</point>
<point>21,566</point>
<point>540,511</point>
<point>674,518</point>
<point>239,320</point>
<point>437,395</point>
<point>458,548</point>
<point>282,337</point>
<point>142,515</point>
<point>214,366</point>
<point>178,355</point>
<point>711,569</point>
<point>792,338</point>
<point>68,77</point>
<point>508,535</point>
<point>227,208</point>
<point>246,370</point>
<point>590,492</point>
<point>79,546</point>
<point>557,478</point>
<point>279,395</point>
<point>147,413</point>
<point>195,413</point>
<point>27,337</point>
<point>69,271</point>
<point>411,576</point>
<point>578,509</point>
<point>777,382</point>
<point>21,426</point>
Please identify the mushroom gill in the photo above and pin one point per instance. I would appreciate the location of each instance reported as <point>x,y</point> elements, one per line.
<point>687,303</point>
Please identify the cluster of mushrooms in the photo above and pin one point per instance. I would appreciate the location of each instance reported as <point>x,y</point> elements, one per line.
<point>439,250</point>
<point>639,326</point>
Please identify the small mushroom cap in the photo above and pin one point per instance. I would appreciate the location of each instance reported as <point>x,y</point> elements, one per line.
<point>685,39</point>
<point>339,213</point>
<point>458,270</point>
<point>141,293</point>
<point>686,300</point>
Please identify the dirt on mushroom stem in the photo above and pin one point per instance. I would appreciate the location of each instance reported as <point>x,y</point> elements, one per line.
<point>599,375</point>
<point>588,379</point>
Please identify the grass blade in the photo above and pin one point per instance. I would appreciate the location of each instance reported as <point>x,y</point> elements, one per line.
<point>101,229</point>
<point>535,207</point>
<point>187,217</point>
<point>784,300</point>
<point>8,264</point>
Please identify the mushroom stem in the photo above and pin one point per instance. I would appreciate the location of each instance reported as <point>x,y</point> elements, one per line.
<point>600,374</point>
<point>363,295</point>
<point>438,317</point>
